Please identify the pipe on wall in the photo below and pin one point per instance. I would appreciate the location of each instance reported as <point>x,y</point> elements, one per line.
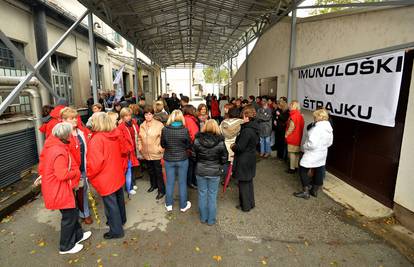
<point>36,104</point>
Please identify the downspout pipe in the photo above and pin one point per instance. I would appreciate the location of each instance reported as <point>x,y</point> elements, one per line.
<point>36,103</point>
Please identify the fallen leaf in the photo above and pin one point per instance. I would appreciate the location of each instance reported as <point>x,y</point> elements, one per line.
<point>98,261</point>
<point>33,252</point>
<point>250,250</point>
<point>197,249</point>
<point>3,230</point>
<point>41,244</point>
<point>264,262</point>
<point>217,258</point>
<point>306,243</point>
<point>70,261</point>
<point>7,219</point>
<point>114,254</point>
<point>76,260</point>
<point>98,246</point>
<point>334,263</point>
<point>32,235</point>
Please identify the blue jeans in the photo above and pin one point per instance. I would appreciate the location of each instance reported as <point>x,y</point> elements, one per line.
<point>207,197</point>
<point>170,169</point>
<point>265,145</point>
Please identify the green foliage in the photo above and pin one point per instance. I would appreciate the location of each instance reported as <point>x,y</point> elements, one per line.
<point>319,11</point>
<point>211,75</point>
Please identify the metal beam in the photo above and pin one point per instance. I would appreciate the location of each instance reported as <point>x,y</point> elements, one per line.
<point>15,92</point>
<point>136,75</point>
<point>93,58</point>
<point>291,54</point>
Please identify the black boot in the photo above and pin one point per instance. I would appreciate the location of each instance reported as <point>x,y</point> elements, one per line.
<point>314,190</point>
<point>304,194</point>
<point>151,189</point>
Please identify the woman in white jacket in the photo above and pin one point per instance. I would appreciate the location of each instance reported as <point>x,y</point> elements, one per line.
<point>315,148</point>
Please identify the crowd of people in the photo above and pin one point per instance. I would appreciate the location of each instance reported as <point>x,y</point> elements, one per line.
<point>201,147</point>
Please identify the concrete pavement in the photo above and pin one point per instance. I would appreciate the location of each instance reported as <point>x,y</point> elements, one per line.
<point>280,231</point>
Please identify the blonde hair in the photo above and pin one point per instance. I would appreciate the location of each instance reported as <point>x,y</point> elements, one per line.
<point>134,108</point>
<point>158,106</point>
<point>321,115</point>
<point>125,112</point>
<point>113,116</point>
<point>176,115</point>
<point>294,105</point>
<point>283,105</point>
<point>211,126</point>
<point>101,122</point>
<point>67,113</point>
<point>62,130</point>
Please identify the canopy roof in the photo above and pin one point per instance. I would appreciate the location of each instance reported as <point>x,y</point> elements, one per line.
<point>190,31</point>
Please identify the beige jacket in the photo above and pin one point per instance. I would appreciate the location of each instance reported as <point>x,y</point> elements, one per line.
<point>149,140</point>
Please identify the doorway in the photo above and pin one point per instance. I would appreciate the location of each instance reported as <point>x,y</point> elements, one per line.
<point>268,87</point>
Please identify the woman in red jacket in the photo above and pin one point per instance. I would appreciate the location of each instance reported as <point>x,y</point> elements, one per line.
<point>215,110</point>
<point>59,177</point>
<point>78,149</point>
<point>105,171</point>
<point>293,135</point>
<point>193,126</point>
<point>130,131</point>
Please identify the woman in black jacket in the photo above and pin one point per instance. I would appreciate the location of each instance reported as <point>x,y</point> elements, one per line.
<point>281,116</point>
<point>244,167</point>
<point>210,153</point>
<point>175,139</point>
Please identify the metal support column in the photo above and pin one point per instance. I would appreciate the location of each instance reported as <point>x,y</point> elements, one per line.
<point>291,54</point>
<point>191,79</point>
<point>10,98</point>
<point>246,82</point>
<point>40,34</point>
<point>93,59</point>
<point>136,75</point>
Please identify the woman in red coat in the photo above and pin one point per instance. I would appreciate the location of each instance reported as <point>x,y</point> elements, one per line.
<point>215,110</point>
<point>105,171</point>
<point>130,131</point>
<point>193,126</point>
<point>293,135</point>
<point>78,149</point>
<point>60,176</point>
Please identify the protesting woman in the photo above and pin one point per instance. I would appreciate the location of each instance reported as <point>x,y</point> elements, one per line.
<point>159,112</point>
<point>244,169</point>
<point>202,114</point>
<point>105,171</point>
<point>59,177</point>
<point>78,149</point>
<point>293,135</point>
<point>175,139</point>
<point>193,126</point>
<point>149,144</point>
<point>210,153</point>
<point>320,137</point>
<point>129,130</point>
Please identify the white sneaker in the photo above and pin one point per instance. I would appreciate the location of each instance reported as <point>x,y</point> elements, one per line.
<point>75,249</point>
<point>186,207</point>
<point>135,187</point>
<point>86,235</point>
<point>168,208</point>
<point>132,192</point>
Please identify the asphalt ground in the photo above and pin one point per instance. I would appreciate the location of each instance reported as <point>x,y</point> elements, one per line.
<point>281,231</point>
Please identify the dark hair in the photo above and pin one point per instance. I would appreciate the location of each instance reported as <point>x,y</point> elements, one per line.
<point>189,110</point>
<point>284,98</point>
<point>148,109</point>
<point>185,99</point>
<point>249,111</point>
<point>46,109</point>
<point>252,97</point>
<point>234,113</point>
<point>245,101</point>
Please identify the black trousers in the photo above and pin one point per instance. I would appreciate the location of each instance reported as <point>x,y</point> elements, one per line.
<point>246,195</point>
<point>191,177</point>
<point>70,229</point>
<point>317,179</point>
<point>115,212</point>
<point>155,174</point>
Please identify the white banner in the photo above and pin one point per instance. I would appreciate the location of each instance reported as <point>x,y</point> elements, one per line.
<point>119,82</point>
<point>365,89</point>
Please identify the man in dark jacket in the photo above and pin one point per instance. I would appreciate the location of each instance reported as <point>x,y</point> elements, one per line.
<point>264,117</point>
<point>244,167</point>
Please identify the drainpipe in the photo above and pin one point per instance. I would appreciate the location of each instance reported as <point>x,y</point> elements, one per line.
<point>36,103</point>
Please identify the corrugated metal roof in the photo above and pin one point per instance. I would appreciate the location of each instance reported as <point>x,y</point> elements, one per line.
<point>190,31</point>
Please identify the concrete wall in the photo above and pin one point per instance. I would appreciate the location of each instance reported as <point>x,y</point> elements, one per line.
<point>333,36</point>
<point>270,57</point>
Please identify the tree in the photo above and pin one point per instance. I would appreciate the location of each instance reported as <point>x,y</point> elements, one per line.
<point>334,9</point>
<point>211,75</point>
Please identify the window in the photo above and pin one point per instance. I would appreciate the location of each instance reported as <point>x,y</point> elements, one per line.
<point>9,65</point>
<point>130,47</point>
<point>62,77</point>
<point>117,37</point>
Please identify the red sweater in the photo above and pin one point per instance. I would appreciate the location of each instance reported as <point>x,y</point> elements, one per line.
<point>295,138</point>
